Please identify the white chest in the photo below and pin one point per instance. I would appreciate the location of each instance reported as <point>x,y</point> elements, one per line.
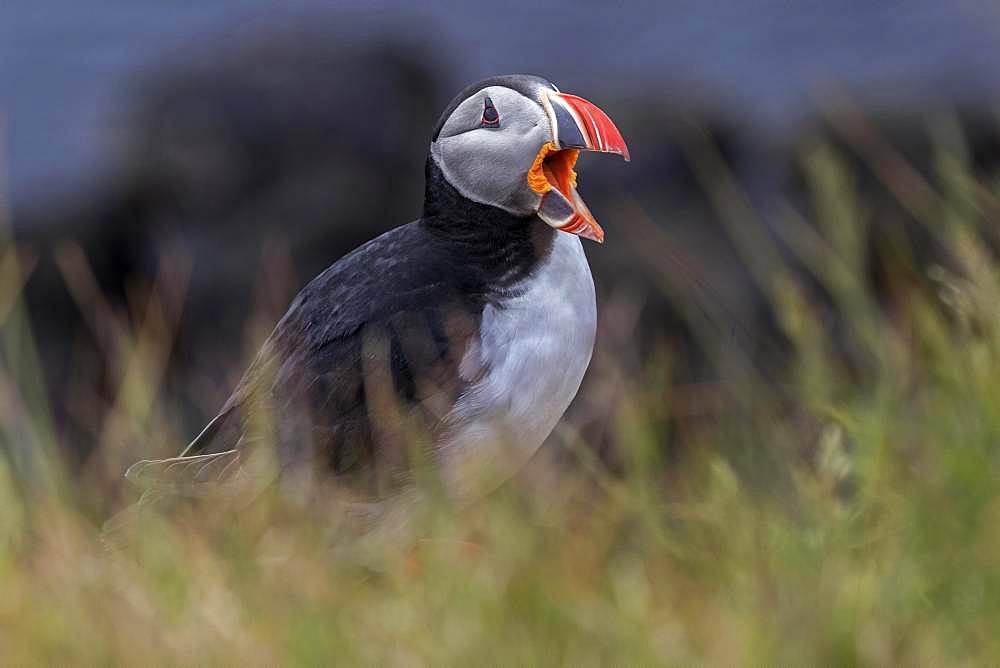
<point>530,359</point>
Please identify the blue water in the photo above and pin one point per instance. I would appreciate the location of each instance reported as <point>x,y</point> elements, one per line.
<point>63,63</point>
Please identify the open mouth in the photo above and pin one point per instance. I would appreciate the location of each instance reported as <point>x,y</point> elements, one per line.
<point>576,125</point>
<point>553,168</point>
<point>553,177</point>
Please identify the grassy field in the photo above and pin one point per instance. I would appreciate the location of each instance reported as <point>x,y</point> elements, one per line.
<point>849,518</point>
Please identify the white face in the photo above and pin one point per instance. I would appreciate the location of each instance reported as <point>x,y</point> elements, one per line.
<point>488,161</point>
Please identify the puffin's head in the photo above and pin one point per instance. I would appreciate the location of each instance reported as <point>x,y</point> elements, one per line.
<point>512,141</point>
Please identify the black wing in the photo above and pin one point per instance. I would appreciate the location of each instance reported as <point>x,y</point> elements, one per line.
<point>366,357</point>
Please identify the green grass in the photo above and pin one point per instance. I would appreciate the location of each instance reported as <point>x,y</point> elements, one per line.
<point>853,518</point>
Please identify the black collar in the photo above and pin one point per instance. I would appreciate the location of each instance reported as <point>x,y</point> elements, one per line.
<point>497,247</point>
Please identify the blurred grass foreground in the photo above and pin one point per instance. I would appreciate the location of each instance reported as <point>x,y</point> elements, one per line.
<point>842,509</point>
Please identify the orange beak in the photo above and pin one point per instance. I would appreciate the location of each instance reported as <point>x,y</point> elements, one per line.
<point>576,125</point>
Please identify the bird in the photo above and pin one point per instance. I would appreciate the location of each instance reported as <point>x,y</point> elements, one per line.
<point>454,342</point>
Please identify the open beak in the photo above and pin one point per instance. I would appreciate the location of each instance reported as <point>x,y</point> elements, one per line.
<point>577,125</point>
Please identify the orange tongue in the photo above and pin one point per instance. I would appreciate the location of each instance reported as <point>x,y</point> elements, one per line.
<point>553,171</point>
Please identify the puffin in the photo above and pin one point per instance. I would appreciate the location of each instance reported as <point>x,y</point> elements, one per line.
<point>452,344</point>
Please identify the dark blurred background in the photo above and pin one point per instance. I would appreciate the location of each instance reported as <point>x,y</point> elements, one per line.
<point>260,141</point>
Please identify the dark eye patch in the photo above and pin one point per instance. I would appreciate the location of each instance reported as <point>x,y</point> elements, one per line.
<point>491,117</point>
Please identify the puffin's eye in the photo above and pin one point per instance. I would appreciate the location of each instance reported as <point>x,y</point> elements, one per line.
<point>491,118</point>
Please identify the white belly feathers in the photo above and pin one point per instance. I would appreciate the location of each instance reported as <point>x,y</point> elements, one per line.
<point>533,351</point>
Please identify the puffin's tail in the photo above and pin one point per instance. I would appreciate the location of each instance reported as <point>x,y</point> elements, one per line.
<point>190,475</point>
<point>174,478</point>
